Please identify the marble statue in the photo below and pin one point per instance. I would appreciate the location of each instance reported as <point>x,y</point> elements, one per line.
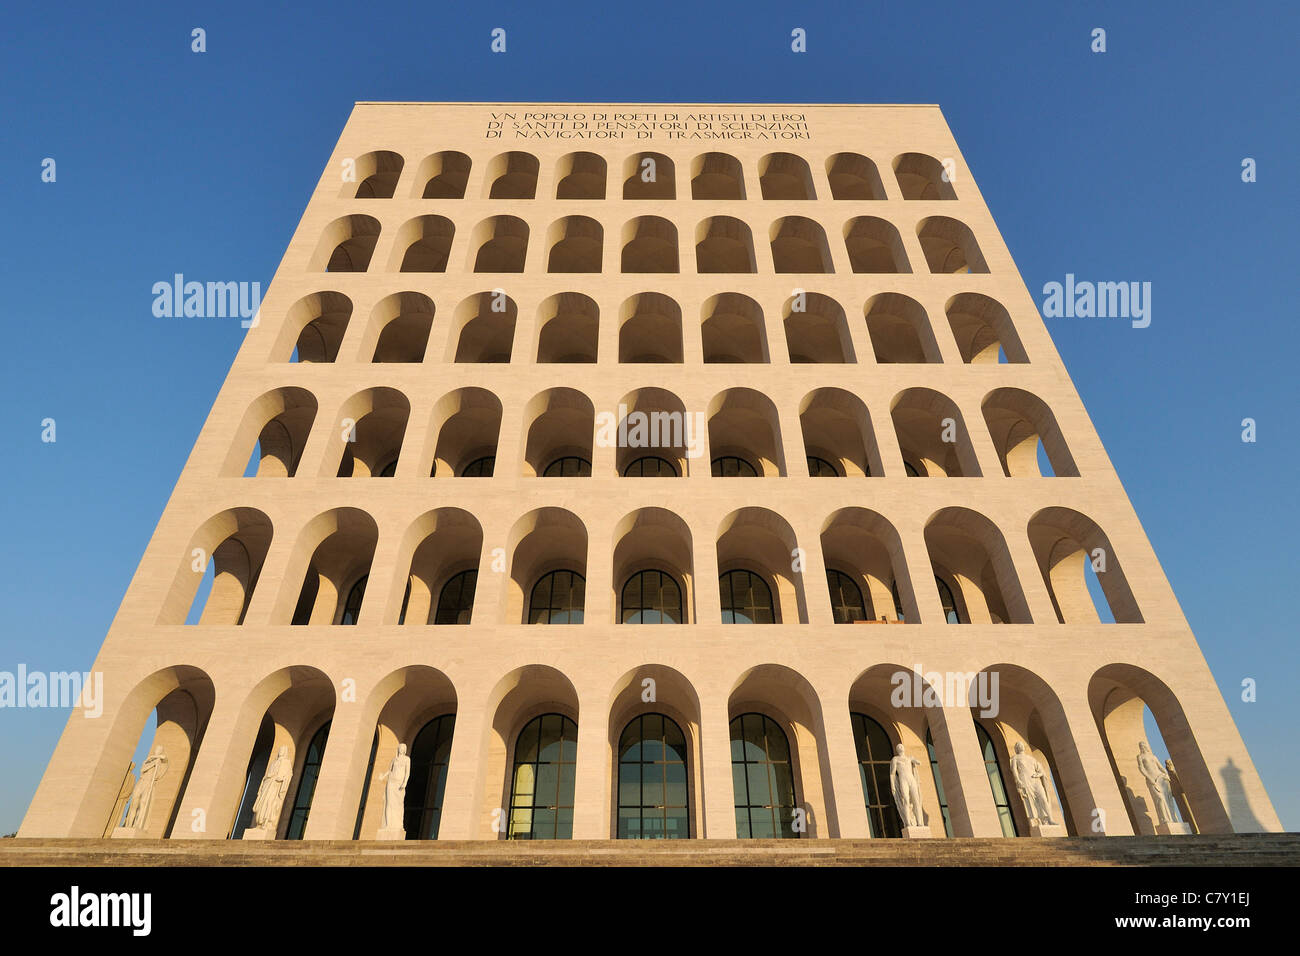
<point>153,770</point>
<point>397,774</point>
<point>271,791</point>
<point>906,787</point>
<point>1162,791</point>
<point>1031,781</point>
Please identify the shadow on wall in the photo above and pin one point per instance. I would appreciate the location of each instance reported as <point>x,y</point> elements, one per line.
<point>1239,812</point>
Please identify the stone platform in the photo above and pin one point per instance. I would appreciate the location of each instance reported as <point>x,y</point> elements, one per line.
<point>1248,850</point>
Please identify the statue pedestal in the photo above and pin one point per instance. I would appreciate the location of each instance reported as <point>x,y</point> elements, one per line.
<point>124,833</point>
<point>253,833</point>
<point>1046,830</point>
<point>396,833</point>
<point>916,833</point>
<point>1168,829</point>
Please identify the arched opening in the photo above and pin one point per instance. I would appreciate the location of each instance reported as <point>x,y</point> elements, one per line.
<point>331,558</point>
<point>399,328</point>
<point>717,176</point>
<point>733,330</point>
<point>655,749</point>
<point>371,426</point>
<point>418,713</point>
<point>375,176</point>
<point>441,549</point>
<point>656,438</point>
<point>297,705</point>
<point>762,544</point>
<point>580,176</point>
<point>650,329</point>
<point>724,244</point>
<point>443,175</point>
<point>484,329</point>
<point>313,328</point>
<point>502,244</point>
<point>575,243</point>
<point>874,245</point>
<point>653,572</point>
<point>276,427</point>
<point>1019,423</point>
<point>853,176</point>
<point>424,244</point>
<point>837,435</point>
<point>950,246</point>
<point>649,245</point>
<point>1067,544</point>
<point>464,430</point>
<point>548,568</point>
<point>900,330</point>
<point>968,551</point>
<point>781,780</point>
<point>862,547</point>
<point>983,330</point>
<point>816,330</point>
<point>158,729</point>
<point>799,246</point>
<point>512,175</point>
<point>649,176</point>
<point>228,550</point>
<point>1162,772</point>
<point>932,435</point>
<point>922,177</point>
<point>743,424</point>
<point>346,245</point>
<point>559,423</point>
<point>785,176</point>
<point>569,329</point>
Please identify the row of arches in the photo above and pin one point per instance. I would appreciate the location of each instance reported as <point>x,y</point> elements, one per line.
<point>540,575</point>
<point>651,432</point>
<point>649,244</point>
<point>789,749</point>
<point>645,175</point>
<point>732,329</point>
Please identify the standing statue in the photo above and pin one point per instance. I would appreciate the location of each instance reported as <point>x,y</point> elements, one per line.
<point>1162,791</point>
<point>398,772</point>
<point>906,788</point>
<point>271,791</point>
<point>1180,795</point>
<point>155,766</point>
<point>1031,781</point>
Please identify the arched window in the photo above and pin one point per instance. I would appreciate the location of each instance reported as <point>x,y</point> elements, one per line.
<point>938,783</point>
<point>650,466</point>
<point>746,599</point>
<point>570,466</point>
<point>846,598</point>
<point>821,468</point>
<point>480,467</point>
<point>652,597</point>
<point>430,753</point>
<point>652,801</point>
<point>352,606</point>
<point>898,604</point>
<point>729,466</point>
<point>558,598</point>
<point>949,603</point>
<point>996,782</point>
<point>874,754</point>
<point>307,784</point>
<point>541,786</point>
<point>763,778</point>
<point>456,602</point>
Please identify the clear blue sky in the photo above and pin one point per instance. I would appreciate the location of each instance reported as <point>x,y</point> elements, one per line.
<point>1116,166</point>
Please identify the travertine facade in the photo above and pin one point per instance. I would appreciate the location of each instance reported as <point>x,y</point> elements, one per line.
<point>809,290</point>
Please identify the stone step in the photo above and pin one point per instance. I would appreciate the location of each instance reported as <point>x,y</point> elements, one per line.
<point>1249,850</point>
